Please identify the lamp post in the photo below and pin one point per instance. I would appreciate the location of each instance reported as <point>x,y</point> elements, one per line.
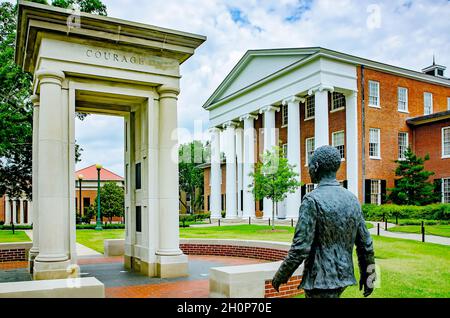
<point>80,179</point>
<point>98,227</point>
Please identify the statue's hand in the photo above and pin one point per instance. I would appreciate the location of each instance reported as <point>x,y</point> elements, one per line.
<point>276,282</point>
<point>367,282</point>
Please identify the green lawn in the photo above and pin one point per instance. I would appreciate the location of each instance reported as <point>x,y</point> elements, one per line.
<point>9,237</point>
<point>94,239</point>
<point>441,230</point>
<point>407,268</point>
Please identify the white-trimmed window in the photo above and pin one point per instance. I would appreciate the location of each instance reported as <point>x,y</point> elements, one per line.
<point>285,150</point>
<point>402,96</point>
<point>310,107</point>
<point>427,103</point>
<point>402,145</point>
<point>448,103</point>
<point>310,187</point>
<point>446,190</point>
<point>338,139</point>
<point>309,146</point>
<point>446,142</point>
<point>338,101</point>
<point>374,143</point>
<point>284,115</point>
<point>374,94</point>
<point>375,192</point>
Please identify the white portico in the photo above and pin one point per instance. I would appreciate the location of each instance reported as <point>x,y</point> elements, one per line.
<point>106,66</point>
<point>296,85</point>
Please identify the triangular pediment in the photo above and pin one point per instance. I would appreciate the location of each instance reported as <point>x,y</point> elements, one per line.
<point>255,66</point>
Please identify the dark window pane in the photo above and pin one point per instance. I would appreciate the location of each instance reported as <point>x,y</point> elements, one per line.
<point>138,176</point>
<point>138,219</point>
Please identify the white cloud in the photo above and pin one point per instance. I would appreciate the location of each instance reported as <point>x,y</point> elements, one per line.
<point>407,34</point>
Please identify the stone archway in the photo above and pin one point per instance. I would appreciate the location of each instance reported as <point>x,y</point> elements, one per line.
<point>106,66</point>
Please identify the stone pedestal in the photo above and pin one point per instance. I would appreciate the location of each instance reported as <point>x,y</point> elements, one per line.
<point>172,266</point>
<point>54,270</point>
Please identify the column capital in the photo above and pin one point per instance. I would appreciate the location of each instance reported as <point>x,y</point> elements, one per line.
<point>230,124</point>
<point>248,116</point>
<point>214,130</point>
<point>293,99</point>
<point>168,92</point>
<point>35,100</point>
<point>269,108</point>
<point>320,88</point>
<point>50,76</point>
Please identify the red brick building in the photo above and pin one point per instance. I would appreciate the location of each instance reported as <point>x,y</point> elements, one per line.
<point>20,209</point>
<point>89,186</point>
<point>305,98</point>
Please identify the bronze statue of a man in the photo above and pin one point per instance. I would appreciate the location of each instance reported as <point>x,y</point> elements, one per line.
<point>330,223</point>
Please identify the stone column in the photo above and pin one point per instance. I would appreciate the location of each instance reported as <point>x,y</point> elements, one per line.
<point>14,211</point>
<point>351,132</point>
<point>239,158</point>
<point>22,211</point>
<point>215,176</point>
<point>249,165</point>
<point>293,200</point>
<point>7,210</point>
<point>230,154</point>
<point>270,140</point>
<point>52,261</point>
<point>321,127</point>
<point>171,262</point>
<point>30,212</point>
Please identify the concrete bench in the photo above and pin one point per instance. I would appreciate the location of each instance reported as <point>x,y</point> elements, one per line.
<point>88,287</point>
<point>114,247</point>
<point>250,281</point>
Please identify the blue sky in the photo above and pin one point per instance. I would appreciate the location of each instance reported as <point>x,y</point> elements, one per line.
<point>403,33</point>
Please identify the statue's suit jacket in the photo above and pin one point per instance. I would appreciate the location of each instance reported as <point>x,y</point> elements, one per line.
<point>330,224</point>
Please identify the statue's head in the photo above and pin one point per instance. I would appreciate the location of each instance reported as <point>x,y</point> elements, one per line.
<point>325,162</point>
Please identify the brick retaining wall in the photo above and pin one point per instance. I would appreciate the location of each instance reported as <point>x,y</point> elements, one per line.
<point>14,252</point>
<point>286,290</point>
<point>234,251</point>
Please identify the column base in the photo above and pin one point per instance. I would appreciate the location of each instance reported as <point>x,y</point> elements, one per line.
<point>32,255</point>
<point>172,266</point>
<point>55,270</point>
<point>136,265</point>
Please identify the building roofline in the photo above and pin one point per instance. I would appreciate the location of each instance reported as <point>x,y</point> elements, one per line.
<point>428,119</point>
<point>315,52</point>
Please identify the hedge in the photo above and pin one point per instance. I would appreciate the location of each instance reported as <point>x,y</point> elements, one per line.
<point>16,227</point>
<point>107,226</point>
<point>427,212</point>
<point>185,219</point>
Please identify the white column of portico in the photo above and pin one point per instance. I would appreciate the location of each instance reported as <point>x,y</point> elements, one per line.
<point>215,177</point>
<point>30,212</point>
<point>22,211</point>
<point>293,200</point>
<point>321,127</point>
<point>249,165</point>
<point>239,158</point>
<point>270,136</point>
<point>230,155</point>
<point>171,261</point>
<point>14,211</point>
<point>52,261</point>
<point>351,131</point>
<point>7,210</point>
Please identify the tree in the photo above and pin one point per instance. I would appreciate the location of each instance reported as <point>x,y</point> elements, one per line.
<point>412,188</point>
<point>112,202</point>
<point>191,155</point>
<point>16,109</point>
<point>273,179</point>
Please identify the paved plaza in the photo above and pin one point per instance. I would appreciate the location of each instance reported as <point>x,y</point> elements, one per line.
<point>122,283</point>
